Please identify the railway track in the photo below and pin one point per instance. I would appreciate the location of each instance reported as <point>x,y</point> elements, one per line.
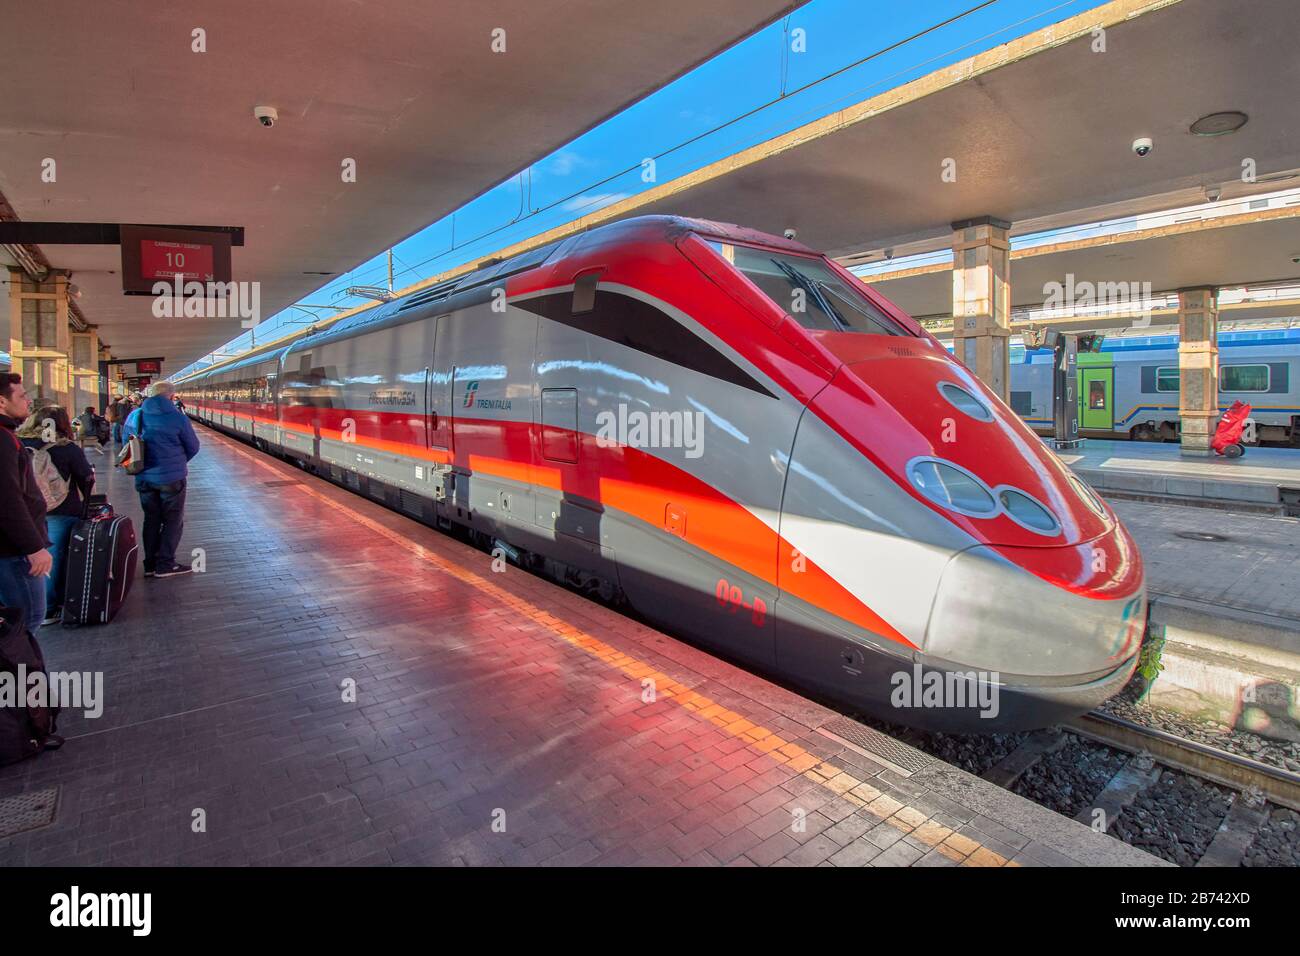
<point>1188,802</point>
<point>1231,770</point>
<point>1157,781</point>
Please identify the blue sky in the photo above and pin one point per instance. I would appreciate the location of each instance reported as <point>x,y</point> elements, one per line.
<point>760,88</point>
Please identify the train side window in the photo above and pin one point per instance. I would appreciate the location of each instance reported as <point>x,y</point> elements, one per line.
<point>1243,378</point>
<point>640,325</point>
<point>1097,394</point>
<point>1022,403</point>
<point>1167,379</point>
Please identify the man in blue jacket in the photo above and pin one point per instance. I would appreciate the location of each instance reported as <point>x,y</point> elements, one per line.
<point>169,444</point>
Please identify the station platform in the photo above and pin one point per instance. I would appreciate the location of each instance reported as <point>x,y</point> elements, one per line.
<point>497,719</point>
<point>1265,479</point>
<point>1222,593</point>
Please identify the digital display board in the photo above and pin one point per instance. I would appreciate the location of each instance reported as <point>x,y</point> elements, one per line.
<point>153,254</point>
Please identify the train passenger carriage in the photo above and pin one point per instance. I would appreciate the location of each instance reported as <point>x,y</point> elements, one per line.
<point>734,436</point>
<point>1129,388</point>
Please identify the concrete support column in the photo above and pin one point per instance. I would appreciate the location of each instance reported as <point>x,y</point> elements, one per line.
<point>981,299</point>
<point>108,389</point>
<point>39,336</point>
<point>1198,369</point>
<point>84,371</point>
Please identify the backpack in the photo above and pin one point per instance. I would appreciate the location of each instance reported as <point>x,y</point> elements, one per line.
<point>24,730</point>
<point>54,487</point>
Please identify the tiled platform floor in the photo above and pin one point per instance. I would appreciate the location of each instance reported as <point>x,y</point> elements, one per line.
<point>497,719</point>
<point>1278,465</point>
<point>1251,563</point>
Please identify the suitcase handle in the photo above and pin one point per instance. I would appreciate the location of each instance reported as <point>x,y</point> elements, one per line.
<point>95,506</point>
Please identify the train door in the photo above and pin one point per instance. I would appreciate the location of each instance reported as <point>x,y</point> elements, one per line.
<point>438,387</point>
<point>1096,397</point>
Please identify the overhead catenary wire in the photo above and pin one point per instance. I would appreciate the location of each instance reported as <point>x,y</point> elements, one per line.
<point>783,95</point>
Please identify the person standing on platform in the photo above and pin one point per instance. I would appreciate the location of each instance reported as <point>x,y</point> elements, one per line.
<point>51,422</point>
<point>117,411</point>
<point>24,562</point>
<point>169,444</point>
<point>87,422</point>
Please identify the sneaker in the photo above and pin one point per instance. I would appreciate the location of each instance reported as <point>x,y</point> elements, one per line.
<point>53,616</point>
<point>149,572</point>
<point>174,570</point>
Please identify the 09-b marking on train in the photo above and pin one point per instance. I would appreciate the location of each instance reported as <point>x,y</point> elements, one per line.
<point>731,597</point>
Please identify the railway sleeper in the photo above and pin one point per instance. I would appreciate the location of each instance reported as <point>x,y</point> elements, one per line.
<point>1138,773</point>
<point>1248,813</point>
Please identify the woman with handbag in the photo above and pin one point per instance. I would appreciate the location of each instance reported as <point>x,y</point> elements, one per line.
<point>65,478</point>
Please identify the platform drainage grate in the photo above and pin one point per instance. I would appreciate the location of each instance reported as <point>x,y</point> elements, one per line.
<point>876,744</point>
<point>1200,536</point>
<point>280,483</point>
<point>28,811</point>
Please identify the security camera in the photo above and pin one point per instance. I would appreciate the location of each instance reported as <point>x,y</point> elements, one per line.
<point>1296,258</point>
<point>789,233</point>
<point>1213,193</point>
<point>1143,146</point>
<point>266,115</point>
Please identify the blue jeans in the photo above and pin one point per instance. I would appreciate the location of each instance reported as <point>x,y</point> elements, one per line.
<point>164,519</point>
<point>59,528</point>
<point>117,432</point>
<point>19,589</point>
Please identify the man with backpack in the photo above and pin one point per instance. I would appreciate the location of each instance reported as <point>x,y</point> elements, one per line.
<point>169,443</point>
<point>24,562</point>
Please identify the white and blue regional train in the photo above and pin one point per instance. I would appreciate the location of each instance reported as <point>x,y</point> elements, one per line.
<point>1129,389</point>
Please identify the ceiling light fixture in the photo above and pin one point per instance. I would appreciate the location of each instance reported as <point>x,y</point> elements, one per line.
<point>1219,124</point>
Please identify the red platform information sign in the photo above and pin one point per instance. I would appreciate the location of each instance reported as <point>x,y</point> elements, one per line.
<point>161,254</point>
<point>167,260</point>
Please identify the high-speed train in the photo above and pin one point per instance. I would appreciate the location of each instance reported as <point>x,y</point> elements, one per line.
<point>744,443</point>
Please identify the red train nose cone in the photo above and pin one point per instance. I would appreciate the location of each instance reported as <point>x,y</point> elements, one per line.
<point>938,431</point>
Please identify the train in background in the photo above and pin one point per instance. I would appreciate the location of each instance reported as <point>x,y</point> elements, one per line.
<point>1129,388</point>
<point>730,434</point>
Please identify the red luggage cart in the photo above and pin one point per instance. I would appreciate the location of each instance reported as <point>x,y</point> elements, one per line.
<point>1227,437</point>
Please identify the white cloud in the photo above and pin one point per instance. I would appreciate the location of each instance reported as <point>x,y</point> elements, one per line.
<point>562,164</point>
<point>590,202</point>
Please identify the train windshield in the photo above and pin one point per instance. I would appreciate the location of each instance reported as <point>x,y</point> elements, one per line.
<point>814,295</point>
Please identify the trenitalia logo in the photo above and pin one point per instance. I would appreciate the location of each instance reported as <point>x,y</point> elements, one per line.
<point>472,401</point>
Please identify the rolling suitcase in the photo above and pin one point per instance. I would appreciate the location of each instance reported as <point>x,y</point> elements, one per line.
<point>101,566</point>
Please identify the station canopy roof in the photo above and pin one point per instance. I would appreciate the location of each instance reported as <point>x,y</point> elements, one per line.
<point>144,130</point>
<point>1246,249</point>
<point>1041,132</point>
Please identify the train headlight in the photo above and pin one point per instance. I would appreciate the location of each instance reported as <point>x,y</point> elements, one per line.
<point>1027,512</point>
<point>1088,495</point>
<point>965,401</point>
<point>951,486</point>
